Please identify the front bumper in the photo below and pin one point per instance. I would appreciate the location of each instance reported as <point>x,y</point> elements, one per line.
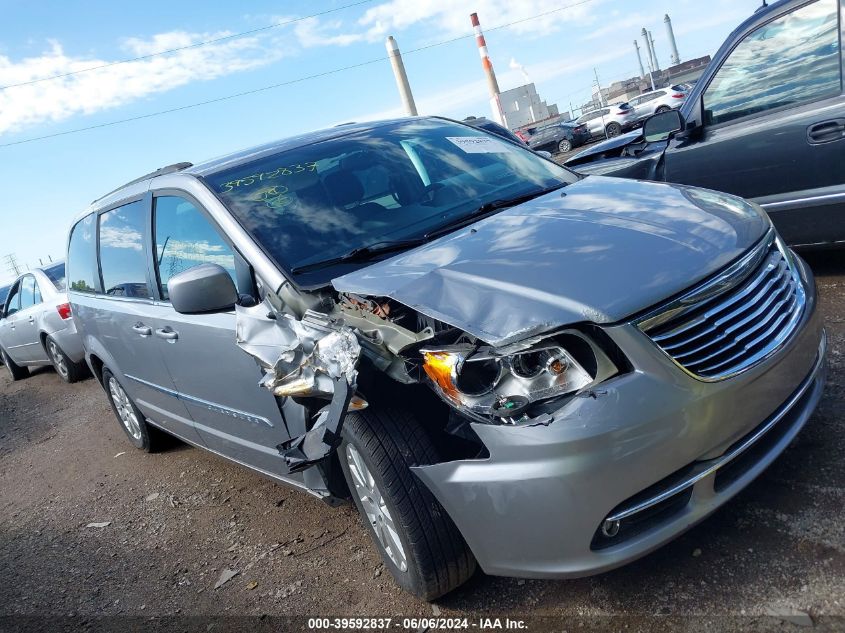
<point>536,506</point>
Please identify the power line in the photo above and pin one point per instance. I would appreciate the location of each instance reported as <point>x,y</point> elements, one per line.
<point>287,83</point>
<point>187,47</point>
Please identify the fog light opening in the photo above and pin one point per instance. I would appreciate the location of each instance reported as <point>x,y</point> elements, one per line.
<point>610,528</point>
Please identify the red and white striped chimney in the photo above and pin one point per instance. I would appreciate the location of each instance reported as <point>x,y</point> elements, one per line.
<point>492,84</point>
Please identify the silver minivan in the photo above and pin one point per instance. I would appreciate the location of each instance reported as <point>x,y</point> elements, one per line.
<point>36,328</point>
<point>500,362</point>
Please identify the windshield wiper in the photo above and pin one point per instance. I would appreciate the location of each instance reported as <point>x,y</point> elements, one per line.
<point>487,209</point>
<point>362,253</point>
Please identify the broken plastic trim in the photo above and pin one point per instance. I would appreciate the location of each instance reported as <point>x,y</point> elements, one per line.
<point>311,357</point>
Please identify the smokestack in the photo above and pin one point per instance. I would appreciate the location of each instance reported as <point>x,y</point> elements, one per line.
<point>676,59</point>
<point>401,76</point>
<point>639,58</point>
<point>653,51</point>
<point>492,84</point>
<point>649,55</point>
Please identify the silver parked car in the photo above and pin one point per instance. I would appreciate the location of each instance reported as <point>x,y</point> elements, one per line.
<point>498,361</point>
<point>657,101</point>
<point>36,328</point>
<point>609,121</point>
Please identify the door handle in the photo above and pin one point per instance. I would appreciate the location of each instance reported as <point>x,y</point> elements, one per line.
<point>167,334</point>
<point>32,319</point>
<point>142,329</point>
<point>826,131</point>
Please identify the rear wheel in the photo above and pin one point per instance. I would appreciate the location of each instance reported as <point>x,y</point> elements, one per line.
<point>663,108</point>
<point>131,420</point>
<point>564,146</point>
<point>66,369</point>
<point>613,129</point>
<point>417,540</point>
<point>15,372</point>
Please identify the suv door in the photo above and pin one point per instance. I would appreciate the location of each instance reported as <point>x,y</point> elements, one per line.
<point>217,381</point>
<point>773,120</point>
<point>124,323</point>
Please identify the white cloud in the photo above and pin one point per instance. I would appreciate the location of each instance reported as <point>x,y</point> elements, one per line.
<point>106,88</point>
<point>311,32</point>
<point>452,18</point>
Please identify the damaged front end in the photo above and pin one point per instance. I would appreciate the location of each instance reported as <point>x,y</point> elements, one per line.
<point>312,357</point>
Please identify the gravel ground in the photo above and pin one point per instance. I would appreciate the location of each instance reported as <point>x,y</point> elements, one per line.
<point>173,522</point>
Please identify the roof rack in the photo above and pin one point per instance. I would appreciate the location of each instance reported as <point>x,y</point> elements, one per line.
<point>161,171</point>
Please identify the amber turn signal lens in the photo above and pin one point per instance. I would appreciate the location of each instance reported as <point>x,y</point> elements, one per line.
<point>440,366</point>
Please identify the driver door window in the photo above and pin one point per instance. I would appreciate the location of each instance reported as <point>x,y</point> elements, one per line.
<point>791,60</point>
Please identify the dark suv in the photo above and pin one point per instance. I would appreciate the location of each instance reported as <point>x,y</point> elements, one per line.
<point>559,137</point>
<point>766,121</point>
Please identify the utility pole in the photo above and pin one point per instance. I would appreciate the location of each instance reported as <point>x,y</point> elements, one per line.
<point>401,77</point>
<point>12,264</point>
<point>602,100</point>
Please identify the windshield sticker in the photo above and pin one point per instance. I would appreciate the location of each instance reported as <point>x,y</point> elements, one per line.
<point>479,144</point>
<point>247,181</point>
<point>275,197</point>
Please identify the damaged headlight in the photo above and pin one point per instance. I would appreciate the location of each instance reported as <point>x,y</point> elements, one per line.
<point>502,384</point>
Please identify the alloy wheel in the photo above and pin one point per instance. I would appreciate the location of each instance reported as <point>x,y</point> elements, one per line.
<point>124,409</point>
<point>58,358</point>
<point>375,508</point>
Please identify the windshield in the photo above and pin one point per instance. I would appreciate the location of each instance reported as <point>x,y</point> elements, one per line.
<point>395,182</point>
<point>56,274</point>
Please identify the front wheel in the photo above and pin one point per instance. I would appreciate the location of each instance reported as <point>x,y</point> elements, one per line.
<point>564,146</point>
<point>16,372</point>
<point>613,129</point>
<point>417,540</point>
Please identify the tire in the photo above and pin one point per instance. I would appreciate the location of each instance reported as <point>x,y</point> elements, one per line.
<point>661,109</point>
<point>67,370</point>
<point>15,372</point>
<point>613,129</point>
<point>432,558</point>
<point>141,434</point>
<point>564,146</point>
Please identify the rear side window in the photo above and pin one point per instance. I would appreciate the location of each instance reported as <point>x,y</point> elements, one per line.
<point>185,238</point>
<point>791,60</point>
<point>56,274</point>
<point>123,262</point>
<point>82,256</point>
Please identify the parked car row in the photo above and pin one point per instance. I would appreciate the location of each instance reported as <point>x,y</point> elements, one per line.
<point>766,121</point>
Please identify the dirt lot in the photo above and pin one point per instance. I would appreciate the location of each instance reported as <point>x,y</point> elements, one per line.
<point>176,520</point>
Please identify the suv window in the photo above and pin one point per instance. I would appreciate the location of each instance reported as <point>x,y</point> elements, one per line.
<point>27,292</point>
<point>81,256</point>
<point>123,262</point>
<point>185,238</point>
<point>791,60</point>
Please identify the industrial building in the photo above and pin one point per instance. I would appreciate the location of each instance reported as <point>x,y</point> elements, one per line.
<point>522,106</point>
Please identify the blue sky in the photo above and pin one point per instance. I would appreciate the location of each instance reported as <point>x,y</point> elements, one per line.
<point>47,182</point>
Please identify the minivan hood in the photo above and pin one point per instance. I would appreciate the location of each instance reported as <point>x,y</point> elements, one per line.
<point>617,142</point>
<point>598,250</point>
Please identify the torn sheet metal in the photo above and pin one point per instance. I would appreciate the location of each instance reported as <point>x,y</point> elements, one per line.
<point>564,259</point>
<point>312,357</point>
<point>299,358</point>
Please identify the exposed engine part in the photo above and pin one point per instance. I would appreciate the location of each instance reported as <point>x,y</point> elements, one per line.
<point>313,357</point>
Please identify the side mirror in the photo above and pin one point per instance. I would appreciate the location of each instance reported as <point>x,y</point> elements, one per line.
<point>202,289</point>
<point>662,126</point>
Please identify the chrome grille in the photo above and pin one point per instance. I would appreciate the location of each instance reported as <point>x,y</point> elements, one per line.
<point>735,320</point>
